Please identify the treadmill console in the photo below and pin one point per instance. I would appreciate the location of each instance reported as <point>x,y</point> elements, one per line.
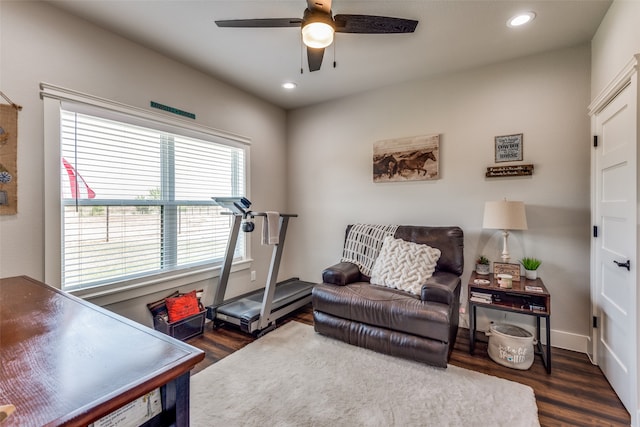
<point>237,205</point>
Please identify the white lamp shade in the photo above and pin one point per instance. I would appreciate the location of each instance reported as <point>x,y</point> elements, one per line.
<point>505,215</point>
<point>317,34</point>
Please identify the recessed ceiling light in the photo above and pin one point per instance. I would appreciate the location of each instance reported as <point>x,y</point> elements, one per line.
<point>289,85</point>
<point>521,19</point>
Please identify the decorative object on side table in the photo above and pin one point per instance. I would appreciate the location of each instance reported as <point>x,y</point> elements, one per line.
<point>530,267</point>
<point>507,268</point>
<point>483,265</point>
<point>505,281</point>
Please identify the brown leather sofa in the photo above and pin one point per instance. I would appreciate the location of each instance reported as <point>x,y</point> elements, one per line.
<point>418,327</point>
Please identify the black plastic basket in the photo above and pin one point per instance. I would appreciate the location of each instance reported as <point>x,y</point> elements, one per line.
<point>183,329</point>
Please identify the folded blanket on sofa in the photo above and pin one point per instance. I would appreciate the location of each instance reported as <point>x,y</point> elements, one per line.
<point>363,245</point>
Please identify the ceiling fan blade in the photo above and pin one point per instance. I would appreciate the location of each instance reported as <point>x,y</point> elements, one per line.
<point>370,24</point>
<point>260,23</point>
<point>314,56</point>
<point>319,5</point>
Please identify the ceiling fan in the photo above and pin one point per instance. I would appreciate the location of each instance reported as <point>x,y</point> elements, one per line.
<point>318,26</point>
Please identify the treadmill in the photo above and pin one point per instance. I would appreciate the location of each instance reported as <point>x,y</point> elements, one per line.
<point>256,312</point>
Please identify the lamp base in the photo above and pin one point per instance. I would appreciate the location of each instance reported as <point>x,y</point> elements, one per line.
<point>505,247</point>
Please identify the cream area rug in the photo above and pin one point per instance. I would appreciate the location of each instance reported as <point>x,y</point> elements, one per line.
<point>296,377</point>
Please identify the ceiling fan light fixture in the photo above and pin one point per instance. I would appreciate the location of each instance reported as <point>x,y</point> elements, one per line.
<point>317,29</point>
<point>317,34</point>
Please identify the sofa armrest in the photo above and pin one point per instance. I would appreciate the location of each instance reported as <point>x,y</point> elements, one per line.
<point>341,274</point>
<point>442,287</point>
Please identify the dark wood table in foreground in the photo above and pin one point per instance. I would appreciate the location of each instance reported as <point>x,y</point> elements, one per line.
<point>64,361</point>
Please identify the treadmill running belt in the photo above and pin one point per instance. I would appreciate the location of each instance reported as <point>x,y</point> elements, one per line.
<point>248,308</point>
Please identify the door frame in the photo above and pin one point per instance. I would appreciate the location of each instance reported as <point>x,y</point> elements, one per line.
<point>627,76</point>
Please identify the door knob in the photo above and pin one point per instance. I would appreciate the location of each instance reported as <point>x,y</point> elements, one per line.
<point>626,265</point>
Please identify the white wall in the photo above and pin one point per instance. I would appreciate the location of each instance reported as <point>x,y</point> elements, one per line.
<point>615,42</point>
<point>39,43</point>
<point>544,96</point>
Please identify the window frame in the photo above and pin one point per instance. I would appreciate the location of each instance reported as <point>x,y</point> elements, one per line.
<point>54,99</point>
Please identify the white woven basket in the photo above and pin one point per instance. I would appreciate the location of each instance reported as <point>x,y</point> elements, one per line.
<point>511,346</point>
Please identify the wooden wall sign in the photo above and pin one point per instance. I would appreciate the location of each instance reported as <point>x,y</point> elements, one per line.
<point>513,170</point>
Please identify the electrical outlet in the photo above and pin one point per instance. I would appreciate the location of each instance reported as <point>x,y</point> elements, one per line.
<point>253,275</point>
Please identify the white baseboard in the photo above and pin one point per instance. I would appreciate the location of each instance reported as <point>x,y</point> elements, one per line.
<point>569,341</point>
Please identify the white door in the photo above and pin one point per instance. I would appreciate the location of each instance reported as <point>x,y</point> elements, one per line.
<point>615,245</point>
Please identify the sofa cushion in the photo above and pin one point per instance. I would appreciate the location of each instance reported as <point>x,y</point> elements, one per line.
<point>404,265</point>
<point>382,340</point>
<point>450,241</point>
<point>386,308</point>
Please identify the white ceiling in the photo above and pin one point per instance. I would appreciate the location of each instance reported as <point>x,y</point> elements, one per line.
<point>451,35</point>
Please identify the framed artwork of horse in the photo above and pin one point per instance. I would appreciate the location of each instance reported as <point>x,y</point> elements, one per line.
<point>407,159</point>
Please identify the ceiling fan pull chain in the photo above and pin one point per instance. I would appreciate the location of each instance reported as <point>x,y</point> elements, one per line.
<point>334,54</point>
<point>301,54</point>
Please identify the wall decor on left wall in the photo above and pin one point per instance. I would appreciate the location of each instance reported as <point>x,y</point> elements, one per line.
<point>407,159</point>
<point>8,159</point>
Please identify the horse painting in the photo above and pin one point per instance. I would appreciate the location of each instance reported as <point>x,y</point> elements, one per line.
<point>386,165</point>
<point>415,158</point>
<point>416,162</point>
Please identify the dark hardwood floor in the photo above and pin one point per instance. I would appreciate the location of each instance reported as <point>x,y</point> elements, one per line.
<point>575,393</point>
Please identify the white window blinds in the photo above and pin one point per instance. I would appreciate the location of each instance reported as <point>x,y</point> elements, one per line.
<point>136,198</point>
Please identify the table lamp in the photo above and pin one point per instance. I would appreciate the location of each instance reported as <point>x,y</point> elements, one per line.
<point>504,215</point>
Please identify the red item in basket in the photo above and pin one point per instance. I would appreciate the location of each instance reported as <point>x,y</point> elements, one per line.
<point>183,306</point>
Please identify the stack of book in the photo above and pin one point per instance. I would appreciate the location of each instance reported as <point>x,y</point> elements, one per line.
<point>537,307</point>
<point>481,297</point>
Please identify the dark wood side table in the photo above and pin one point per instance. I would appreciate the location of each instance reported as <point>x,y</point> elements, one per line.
<point>67,362</point>
<point>515,300</point>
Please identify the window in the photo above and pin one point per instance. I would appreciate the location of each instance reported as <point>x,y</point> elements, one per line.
<point>136,196</point>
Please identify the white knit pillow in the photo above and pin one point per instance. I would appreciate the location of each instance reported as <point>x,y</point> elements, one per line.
<point>404,265</point>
